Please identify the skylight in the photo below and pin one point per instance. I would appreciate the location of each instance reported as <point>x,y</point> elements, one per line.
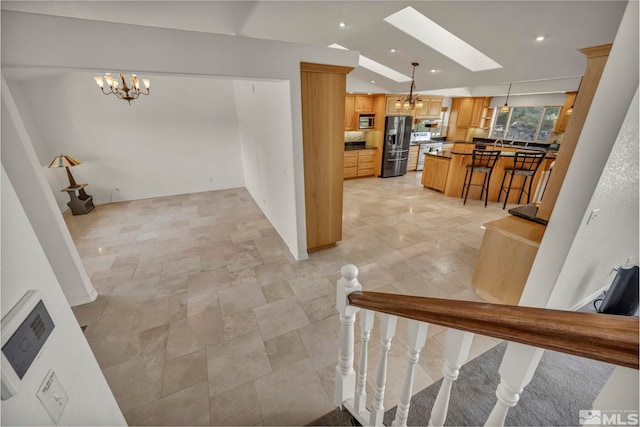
<point>423,29</point>
<point>377,68</point>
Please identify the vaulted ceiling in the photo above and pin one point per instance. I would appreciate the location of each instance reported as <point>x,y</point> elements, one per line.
<point>505,31</point>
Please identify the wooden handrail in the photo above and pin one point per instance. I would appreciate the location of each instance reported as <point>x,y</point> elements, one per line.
<point>604,337</point>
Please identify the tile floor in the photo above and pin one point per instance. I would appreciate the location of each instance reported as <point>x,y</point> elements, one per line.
<point>205,318</point>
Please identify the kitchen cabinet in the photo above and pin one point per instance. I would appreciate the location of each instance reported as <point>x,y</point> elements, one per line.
<point>431,108</point>
<point>435,172</point>
<point>466,114</point>
<point>487,117</point>
<point>563,117</point>
<point>350,116</point>
<point>390,109</point>
<point>359,163</point>
<point>412,163</point>
<point>363,104</point>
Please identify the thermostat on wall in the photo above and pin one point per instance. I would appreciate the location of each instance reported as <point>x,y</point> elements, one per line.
<point>25,330</point>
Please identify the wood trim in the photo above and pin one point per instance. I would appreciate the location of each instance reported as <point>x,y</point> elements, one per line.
<point>596,60</point>
<point>603,337</point>
<point>311,67</point>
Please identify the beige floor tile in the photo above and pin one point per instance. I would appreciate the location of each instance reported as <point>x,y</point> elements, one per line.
<point>280,317</point>
<point>285,349</point>
<point>136,381</point>
<point>236,407</point>
<point>203,283</point>
<point>236,362</point>
<point>274,272</point>
<point>160,311</point>
<point>320,308</point>
<point>240,298</point>
<point>147,341</point>
<point>277,291</point>
<point>310,287</point>
<point>184,371</point>
<point>322,340</point>
<point>194,333</point>
<point>239,324</point>
<point>188,407</point>
<point>280,407</point>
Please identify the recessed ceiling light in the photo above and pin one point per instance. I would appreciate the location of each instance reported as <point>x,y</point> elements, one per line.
<point>373,81</point>
<point>369,93</point>
<point>423,29</point>
<point>433,70</point>
<point>342,24</point>
<point>378,68</point>
<point>393,50</point>
<point>539,38</point>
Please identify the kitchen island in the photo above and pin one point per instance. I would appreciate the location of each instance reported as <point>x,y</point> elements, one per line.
<point>445,171</point>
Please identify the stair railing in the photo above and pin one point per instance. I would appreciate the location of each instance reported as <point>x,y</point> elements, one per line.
<point>606,338</point>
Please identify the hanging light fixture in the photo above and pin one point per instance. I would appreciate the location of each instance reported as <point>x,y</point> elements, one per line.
<point>127,93</point>
<point>505,107</point>
<point>411,101</point>
<point>570,110</point>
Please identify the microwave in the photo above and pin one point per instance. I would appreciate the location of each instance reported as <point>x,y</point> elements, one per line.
<point>366,121</point>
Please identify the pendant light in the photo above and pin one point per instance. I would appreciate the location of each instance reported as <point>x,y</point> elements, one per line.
<point>505,107</point>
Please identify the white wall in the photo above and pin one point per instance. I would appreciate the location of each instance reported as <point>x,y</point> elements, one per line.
<point>612,239</point>
<point>25,267</point>
<point>21,163</point>
<point>610,105</point>
<point>264,120</point>
<point>182,138</point>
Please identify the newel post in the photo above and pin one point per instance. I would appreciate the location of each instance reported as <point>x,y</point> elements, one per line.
<point>345,375</point>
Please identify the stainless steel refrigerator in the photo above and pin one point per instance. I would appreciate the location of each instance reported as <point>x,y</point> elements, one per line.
<point>397,135</point>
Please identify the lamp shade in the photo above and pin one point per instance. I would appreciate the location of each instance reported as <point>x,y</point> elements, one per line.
<point>62,161</point>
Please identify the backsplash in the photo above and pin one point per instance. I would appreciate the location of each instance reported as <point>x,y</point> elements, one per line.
<point>354,136</point>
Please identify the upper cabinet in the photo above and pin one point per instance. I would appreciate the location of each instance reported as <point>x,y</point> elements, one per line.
<point>563,117</point>
<point>364,104</point>
<point>431,107</point>
<point>466,114</point>
<point>350,116</point>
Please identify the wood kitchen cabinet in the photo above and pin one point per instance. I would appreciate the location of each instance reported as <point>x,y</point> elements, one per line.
<point>412,163</point>
<point>563,117</point>
<point>435,172</point>
<point>466,114</point>
<point>363,104</point>
<point>350,116</point>
<point>431,108</point>
<point>359,163</point>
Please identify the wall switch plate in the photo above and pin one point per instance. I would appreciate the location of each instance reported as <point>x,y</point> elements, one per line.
<point>52,396</point>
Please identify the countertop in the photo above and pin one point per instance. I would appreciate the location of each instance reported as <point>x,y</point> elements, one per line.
<point>366,147</point>
<point>446,154</point>
<point>532,146</point>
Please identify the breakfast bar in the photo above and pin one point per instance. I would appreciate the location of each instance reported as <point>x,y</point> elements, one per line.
<point>445,171</point>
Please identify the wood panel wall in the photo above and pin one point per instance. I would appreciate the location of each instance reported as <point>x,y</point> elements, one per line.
<point>323,90</point>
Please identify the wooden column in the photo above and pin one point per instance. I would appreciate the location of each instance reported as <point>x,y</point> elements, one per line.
<point>323,89</point>
<point>596,60</point>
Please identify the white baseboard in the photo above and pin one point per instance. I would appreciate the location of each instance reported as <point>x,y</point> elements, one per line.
<point>84,300</point>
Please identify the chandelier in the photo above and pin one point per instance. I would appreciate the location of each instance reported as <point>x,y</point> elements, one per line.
<point>125,92</point>
<point>411,101</point>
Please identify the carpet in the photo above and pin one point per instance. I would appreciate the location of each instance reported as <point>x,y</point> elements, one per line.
<point>562,385</point>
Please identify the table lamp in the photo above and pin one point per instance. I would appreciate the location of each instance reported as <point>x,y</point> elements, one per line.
<point>62,161</point>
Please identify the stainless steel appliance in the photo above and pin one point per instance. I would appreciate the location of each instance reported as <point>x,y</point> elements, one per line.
<point>397,136</point>
<point>426,146</point>
<point>366,121</point>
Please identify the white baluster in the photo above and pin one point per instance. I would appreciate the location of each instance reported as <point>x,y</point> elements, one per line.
<point>456,351</point>
<point>387,332</point>
<point>366,324</point>
<point>516,370</point>
<point>416,336</point>
<point>345,375</point>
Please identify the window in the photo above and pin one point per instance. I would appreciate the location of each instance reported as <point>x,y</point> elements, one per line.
<point>526,123</point>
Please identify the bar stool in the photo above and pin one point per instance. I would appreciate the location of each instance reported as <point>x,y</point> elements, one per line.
<point>525,164</point>
<point>482,161</point>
